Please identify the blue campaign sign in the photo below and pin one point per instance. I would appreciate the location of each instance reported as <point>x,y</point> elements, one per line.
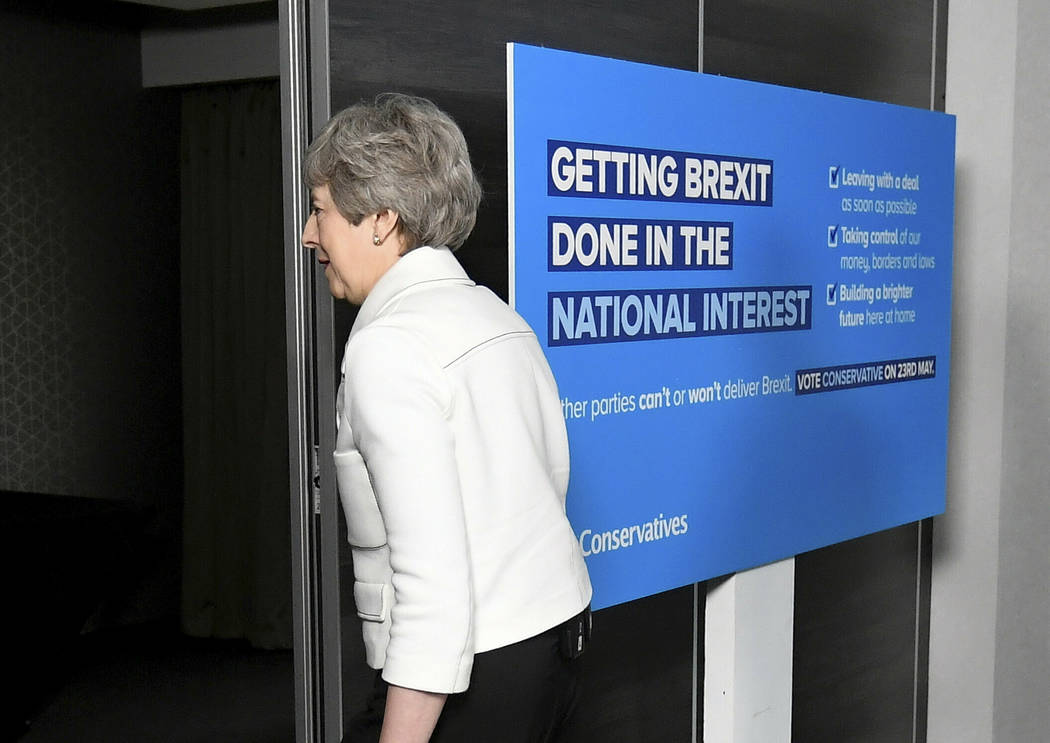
<point>744,292</point>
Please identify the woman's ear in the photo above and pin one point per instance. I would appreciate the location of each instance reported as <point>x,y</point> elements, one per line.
<point>386,225</point>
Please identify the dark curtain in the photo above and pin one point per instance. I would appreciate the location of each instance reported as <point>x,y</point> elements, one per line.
<point>236,579</point>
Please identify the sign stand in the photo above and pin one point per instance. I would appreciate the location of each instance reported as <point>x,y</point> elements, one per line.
<point>748,642</point>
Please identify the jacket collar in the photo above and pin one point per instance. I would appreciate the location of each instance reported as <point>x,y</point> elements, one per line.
<point>423,265</point>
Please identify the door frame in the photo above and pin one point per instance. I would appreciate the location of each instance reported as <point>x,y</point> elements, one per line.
<point>303,49</point>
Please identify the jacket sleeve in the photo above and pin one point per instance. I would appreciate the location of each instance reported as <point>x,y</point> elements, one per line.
<point>398,401</point>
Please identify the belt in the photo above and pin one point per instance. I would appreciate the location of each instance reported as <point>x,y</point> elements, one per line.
<point>575,634</point>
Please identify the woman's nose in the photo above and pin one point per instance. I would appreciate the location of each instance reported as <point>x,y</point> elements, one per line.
<point>309,238</point>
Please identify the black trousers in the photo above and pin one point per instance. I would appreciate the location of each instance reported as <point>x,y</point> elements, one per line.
<point>521,693</point>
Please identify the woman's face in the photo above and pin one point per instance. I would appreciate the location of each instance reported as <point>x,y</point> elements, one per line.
<point>353,263</point>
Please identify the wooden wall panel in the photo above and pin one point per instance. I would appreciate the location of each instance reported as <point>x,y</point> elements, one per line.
<point>859,625</point>
<point>875,49</point>
<point>862,607</point>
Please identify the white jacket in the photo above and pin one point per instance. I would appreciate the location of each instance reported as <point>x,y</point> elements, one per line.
<point>453,463</point>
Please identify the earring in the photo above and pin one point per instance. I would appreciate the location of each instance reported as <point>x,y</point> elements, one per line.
<point>375,239</point>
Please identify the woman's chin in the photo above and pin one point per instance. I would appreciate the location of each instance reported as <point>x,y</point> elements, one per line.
<point>335,287</point>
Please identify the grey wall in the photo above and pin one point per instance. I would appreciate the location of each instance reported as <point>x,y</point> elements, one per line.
<point>89,400</point>
<point>1022,684</point>
<point>990,623</point>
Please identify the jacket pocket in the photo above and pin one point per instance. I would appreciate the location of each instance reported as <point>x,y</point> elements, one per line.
<point>372,600</point>
<point>364,522</point>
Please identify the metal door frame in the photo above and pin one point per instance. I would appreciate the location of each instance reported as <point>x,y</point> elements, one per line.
<point>303,45</point>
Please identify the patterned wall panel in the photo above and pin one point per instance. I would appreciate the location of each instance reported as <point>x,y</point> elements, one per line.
<point>88,263</point>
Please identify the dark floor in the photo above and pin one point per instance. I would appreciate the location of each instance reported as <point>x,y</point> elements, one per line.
<point>148,683</point>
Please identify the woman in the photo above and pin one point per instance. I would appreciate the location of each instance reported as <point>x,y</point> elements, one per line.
<point>451,455</point>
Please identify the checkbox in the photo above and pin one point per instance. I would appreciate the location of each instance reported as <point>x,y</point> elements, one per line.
<point>833,176</point>
<point>833,235</point>
<point>832,293</point>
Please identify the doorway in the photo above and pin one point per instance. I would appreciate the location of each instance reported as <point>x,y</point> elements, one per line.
<point>95,379</point>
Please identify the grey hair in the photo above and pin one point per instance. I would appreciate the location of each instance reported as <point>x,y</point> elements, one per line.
<point>401,153</point>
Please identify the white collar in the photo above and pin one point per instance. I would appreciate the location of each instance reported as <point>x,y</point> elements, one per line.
<point>424,264</point>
